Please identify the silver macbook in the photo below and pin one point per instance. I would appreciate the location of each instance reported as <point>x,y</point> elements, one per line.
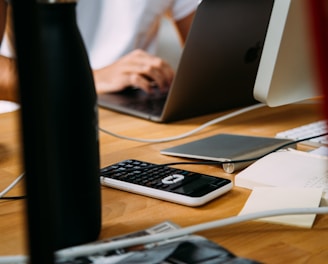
<point>217,68</point>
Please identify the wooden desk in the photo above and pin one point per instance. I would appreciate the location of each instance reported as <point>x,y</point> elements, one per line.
<point>123,212</point>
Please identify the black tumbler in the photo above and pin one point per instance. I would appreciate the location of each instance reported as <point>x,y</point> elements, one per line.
<point>59,127</point>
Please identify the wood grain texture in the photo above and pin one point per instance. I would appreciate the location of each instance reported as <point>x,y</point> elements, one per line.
<point>124,212</point>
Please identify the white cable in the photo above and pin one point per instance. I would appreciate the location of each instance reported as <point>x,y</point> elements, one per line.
<point>11,185</point>
<point>85,250</point>
<point>88,250</point>
<point>14,259</point>
<point>207,124</point>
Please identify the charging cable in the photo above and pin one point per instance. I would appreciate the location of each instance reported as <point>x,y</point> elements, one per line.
<point>102,248</point>
<point>223,163</point>
<point>88,250</point>
<point>184,135</point>
<point>12,185</point>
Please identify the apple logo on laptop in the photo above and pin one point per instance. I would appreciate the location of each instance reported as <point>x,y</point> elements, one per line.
<point>253,53</point>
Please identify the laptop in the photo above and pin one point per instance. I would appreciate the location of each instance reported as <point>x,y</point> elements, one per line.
<point>217,68</point>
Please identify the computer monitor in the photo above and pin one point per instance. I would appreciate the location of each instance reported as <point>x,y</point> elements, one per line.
<point>286,72</point>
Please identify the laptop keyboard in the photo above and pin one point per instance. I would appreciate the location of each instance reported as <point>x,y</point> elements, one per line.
<point>151,104</point>
<point>132,100</point>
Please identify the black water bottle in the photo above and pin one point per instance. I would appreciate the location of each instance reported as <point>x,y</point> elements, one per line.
<point>59,122</point>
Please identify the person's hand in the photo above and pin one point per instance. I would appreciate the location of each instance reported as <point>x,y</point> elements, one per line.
<point>137,69</point>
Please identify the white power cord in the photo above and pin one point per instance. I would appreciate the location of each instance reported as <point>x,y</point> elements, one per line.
<point>207,124</point>
<point>90,249</point>
<point>11,185</point>
<point>14,260</point>
<point>87,250</point>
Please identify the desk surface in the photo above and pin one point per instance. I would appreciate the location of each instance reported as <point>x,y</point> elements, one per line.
<point>124,212</point>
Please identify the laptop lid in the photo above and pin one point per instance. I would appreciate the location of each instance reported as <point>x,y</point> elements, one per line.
<point>218,65</point>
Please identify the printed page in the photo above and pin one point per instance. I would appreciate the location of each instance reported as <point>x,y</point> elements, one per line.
<point>290,168</point>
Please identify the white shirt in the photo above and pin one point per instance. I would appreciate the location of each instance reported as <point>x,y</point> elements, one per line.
<point>113,28</point>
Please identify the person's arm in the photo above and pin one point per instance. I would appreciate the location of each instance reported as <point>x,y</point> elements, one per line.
<point>3,12</point>
<point>8,75</point>
<point>8,79</point>
<point>140,69</point>
<point>136,69</point>
<point>183,26</point>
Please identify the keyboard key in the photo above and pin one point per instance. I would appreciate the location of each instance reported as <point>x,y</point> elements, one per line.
<point>308,130</point>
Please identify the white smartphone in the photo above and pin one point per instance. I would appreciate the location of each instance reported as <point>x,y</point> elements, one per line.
<point>163,182</point>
